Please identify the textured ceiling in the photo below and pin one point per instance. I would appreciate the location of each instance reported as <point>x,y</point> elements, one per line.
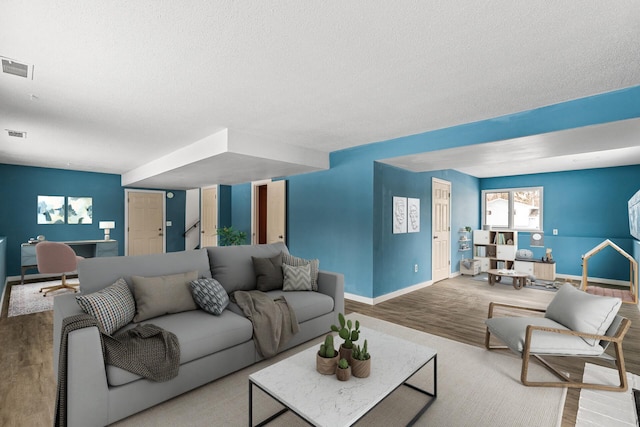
<point>119,84</point>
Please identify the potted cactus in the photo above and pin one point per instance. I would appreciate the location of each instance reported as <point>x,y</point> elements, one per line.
<point>327,357</point>
<point>361,361</point>
<point>343,372</point>
<point>349,333</point>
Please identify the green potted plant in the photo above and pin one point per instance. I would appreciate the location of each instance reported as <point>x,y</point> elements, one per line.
<point>349,333</point>
<point>361,361</point>
<point>231,237</point>
<point>343,373</point>
<point>327,357</point>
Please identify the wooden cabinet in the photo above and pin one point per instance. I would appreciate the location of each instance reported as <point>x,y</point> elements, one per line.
<point>540,270</point>
<point>495,248</point>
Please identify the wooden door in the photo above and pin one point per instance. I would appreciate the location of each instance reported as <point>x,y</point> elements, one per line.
<point>441,230</point>
<point>269,212</point>
<point>209,217</point>
<point>145,219</point>
<point>276,211</point>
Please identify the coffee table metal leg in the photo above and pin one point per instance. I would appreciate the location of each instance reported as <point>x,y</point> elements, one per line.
<point>434,394</point>
<point>272,417</point>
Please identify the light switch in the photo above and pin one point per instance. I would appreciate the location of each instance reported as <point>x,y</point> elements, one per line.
<point>168,223</point>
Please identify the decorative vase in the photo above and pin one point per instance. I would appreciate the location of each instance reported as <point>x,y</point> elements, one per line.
<point>361,368</point>
<point>343,374</point>
<point>327,365</point>
<point>345,353</point>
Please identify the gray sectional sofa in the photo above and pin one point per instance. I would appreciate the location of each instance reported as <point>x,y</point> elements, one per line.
<point>210,346</point>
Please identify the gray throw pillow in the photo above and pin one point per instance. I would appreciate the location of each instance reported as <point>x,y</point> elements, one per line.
<point>112,306</point>
<point>268,272</point>
<point>296,278</point>
<point>210,295</point>
<point>314,265</point>
<point>156,296</point>
<point>583,312</point>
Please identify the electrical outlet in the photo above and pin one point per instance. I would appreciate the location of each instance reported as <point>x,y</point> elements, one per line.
<point>415,268</point>
<point>555,231</point>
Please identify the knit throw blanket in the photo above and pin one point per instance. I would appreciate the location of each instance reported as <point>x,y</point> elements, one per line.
<point>146,350</point>
<point>274,322</point>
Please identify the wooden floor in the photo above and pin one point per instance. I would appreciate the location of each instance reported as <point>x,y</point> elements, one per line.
<point>454,308</point>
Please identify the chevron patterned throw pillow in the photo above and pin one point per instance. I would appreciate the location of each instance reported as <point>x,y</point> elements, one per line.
<point>296,278</point>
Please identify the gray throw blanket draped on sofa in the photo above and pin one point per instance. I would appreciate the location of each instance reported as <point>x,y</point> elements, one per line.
<point>146,350</point>
<point>274,322</point>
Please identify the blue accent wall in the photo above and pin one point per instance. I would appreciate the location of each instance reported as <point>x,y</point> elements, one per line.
<point>21,186</point>
<point>3,264</point>
<point>586,207</point>
<point>331,213</point>
<point>395,255</point>
<point>241,208</point>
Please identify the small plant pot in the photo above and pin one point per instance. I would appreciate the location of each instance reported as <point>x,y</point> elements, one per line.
<point>361,368</point>
<point>327,365</point>
<point>343,374</point>
<point>345,353</point>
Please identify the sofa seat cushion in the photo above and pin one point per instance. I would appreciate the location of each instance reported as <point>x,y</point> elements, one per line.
<point>199,334</point>
<point>306,305</point>
<point>512,331</point>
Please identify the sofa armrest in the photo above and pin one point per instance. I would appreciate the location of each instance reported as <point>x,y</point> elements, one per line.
<point>63,306</point>
<point>332,284</point>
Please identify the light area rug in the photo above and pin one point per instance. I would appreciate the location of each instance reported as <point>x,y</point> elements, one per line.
<point>27,298</point>
<point>476,387</point>
<point>607,408</point>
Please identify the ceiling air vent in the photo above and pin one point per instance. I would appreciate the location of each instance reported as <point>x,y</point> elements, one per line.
<point>16,133</point>
<point>10,66</point>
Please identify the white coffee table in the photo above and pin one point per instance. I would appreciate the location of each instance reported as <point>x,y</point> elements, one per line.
<point>322,400</point>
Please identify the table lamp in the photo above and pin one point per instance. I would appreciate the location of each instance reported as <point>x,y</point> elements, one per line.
<point>107,226</point>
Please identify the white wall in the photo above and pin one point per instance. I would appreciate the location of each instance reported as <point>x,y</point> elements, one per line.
<point>192,214</point>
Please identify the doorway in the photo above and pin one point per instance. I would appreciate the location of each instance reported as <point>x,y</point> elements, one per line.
<point>209,217</point>
<point>269,207</point>
<point>441,229</point>
<point>145,221</point>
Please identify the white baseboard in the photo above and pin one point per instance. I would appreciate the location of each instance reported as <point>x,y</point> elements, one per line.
<point>612,282</point>
<point>386,297</point>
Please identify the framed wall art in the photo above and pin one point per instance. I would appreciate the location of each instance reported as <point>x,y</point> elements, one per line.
<point>399,215</point>
<point>413,209</point>
<point>79,210</point>
<point>51,210</point>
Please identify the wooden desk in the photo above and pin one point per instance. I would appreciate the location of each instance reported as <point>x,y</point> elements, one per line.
<point>83,248</point>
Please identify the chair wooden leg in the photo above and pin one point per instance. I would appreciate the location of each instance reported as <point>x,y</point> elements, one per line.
<point>569,383</point>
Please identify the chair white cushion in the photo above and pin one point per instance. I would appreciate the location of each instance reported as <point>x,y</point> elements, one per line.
<point>512,332</point>
<point>583,312</point>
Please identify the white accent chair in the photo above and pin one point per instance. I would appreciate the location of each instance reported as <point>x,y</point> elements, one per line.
<point>575,324</point>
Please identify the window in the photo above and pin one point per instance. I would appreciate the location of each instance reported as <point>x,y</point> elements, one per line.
<point>513,208</point>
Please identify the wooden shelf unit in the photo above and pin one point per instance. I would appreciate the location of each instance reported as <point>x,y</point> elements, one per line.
<point>495,248</point>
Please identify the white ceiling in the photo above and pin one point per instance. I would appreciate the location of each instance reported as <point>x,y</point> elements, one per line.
<point>126,86</point>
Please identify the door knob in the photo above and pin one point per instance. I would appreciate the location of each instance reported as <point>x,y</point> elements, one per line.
<point>435,237</point>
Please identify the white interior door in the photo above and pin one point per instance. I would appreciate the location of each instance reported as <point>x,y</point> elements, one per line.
<point>145,222</point>
<point>441,229</point>
<point>209,217</point>
<point>276,211</point>
<point>268,211</point>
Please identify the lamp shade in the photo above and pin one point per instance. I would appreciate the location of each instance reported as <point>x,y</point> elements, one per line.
<point>107,224</point>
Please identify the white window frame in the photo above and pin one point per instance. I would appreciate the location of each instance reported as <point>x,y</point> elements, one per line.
<point>511,225</point>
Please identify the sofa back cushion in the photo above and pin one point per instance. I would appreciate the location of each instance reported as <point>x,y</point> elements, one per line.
<point>232,266</point>
<point>98,273</point>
